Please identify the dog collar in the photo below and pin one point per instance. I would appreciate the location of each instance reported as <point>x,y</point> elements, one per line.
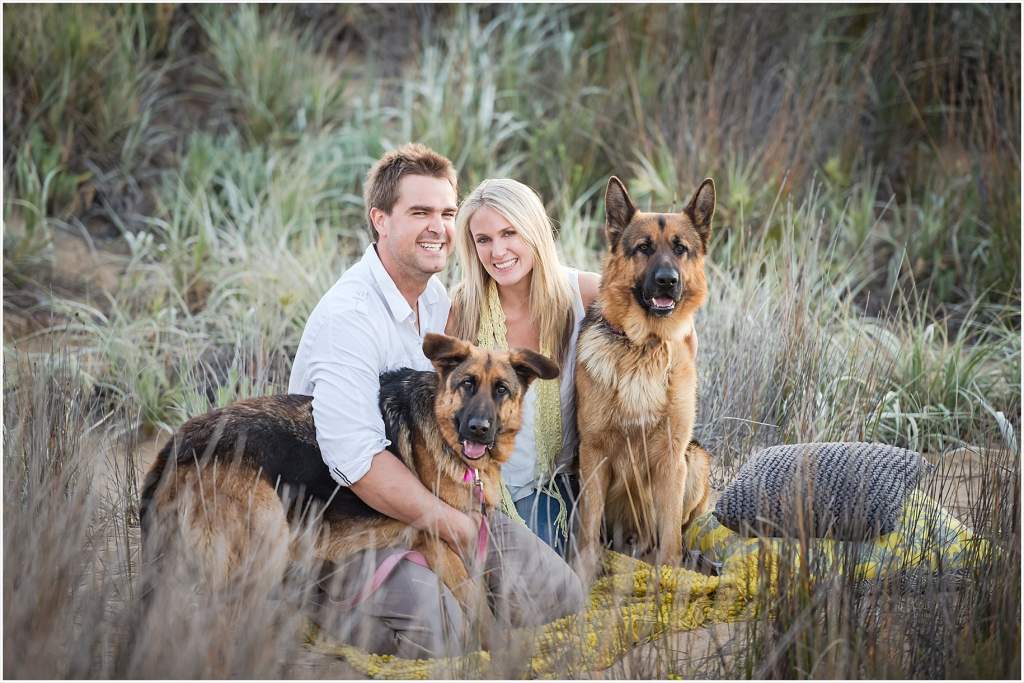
<point>618,331</point>
<point>473,475</point>
<point>651,341</point>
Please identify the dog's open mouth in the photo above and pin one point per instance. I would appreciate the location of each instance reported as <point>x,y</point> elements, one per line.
<point>662,303</point>
<point>474,450</point>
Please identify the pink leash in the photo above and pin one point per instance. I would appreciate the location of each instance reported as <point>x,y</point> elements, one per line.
<point>388,565</point>
<point>472,474</point>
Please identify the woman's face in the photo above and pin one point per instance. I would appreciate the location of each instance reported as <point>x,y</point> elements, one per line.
<point>500,247</point>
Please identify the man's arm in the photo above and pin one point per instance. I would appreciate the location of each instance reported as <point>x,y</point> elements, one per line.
<point>345,372</point>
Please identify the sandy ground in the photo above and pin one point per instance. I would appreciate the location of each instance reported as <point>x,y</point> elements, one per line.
<point>79,271</point>
<point>959,475</point>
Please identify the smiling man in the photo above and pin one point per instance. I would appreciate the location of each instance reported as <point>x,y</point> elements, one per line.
<point>373,320</point>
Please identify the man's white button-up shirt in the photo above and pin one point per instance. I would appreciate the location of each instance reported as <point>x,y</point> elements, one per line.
<point>363,326</point>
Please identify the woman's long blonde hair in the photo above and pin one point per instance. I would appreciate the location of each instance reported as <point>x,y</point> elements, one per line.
<point>550,294</point>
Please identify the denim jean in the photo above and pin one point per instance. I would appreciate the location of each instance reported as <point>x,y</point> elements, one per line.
<point>540,511</point>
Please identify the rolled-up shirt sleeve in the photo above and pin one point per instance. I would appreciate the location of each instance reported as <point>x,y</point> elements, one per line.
<point>345,376</point>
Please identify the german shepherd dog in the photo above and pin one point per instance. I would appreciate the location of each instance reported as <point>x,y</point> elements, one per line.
<point>219,478</point>
<point>636,382</point>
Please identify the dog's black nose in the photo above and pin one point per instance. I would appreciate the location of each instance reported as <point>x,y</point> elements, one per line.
<point>479,427</point>
<point>666,277</point>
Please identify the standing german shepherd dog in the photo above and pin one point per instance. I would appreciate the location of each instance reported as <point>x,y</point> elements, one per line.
<point>636,382</point>
<point>217,481</point>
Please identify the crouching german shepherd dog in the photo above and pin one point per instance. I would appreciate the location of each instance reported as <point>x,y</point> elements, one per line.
<point>636,382</point>
<point>217,481</point>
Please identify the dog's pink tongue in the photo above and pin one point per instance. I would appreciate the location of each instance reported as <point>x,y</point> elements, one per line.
<point>472,449</point>
<point>663,301</point>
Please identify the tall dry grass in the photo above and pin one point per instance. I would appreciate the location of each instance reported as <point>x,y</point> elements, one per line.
<point>73,578</point>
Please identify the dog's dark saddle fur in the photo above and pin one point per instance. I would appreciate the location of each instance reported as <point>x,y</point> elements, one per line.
<point>276,434</point>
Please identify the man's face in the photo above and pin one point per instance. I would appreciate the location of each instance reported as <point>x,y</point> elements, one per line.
<point>416,237</point>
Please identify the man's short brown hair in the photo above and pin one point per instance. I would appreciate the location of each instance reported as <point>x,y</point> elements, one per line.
<point>381,188</point>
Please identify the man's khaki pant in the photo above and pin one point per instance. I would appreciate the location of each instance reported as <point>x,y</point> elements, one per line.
<point>413,615</point>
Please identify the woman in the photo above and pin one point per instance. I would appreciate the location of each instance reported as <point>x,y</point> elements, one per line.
<point>514,293</point>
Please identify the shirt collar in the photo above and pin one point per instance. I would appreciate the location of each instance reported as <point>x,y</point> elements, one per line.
<point>397,304</point>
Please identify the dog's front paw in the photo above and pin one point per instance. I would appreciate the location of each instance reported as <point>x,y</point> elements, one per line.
<point>587,565</point>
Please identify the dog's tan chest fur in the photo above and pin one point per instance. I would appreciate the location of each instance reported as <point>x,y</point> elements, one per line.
<point>641,395</point>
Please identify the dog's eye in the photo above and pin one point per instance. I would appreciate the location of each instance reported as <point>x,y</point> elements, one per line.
<point>679,249</point>
<point>501,390</point>
<point>645,248</point>
<point>468,383</point>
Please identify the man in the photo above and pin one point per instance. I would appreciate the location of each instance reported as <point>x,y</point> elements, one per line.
<point>372,320</point>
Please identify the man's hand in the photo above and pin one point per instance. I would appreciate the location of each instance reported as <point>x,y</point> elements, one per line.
<point>389,487</point>
<point>462,535</point>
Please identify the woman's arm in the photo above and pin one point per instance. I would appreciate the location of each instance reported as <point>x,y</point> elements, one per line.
<point>589,284</point>
<point>691,344</point>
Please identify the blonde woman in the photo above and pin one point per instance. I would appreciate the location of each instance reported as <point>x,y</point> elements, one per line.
<point>515,293</point>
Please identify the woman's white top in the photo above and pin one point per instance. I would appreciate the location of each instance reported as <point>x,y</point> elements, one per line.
<point>520,471</point>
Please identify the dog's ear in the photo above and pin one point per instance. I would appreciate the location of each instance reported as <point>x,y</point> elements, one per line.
<point>618,210</point>
<point>529,365</point>
<point>702,208</point>
<point>445,352</point>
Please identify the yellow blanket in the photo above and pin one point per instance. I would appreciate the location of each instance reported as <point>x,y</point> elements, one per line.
<point>634,603</point>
